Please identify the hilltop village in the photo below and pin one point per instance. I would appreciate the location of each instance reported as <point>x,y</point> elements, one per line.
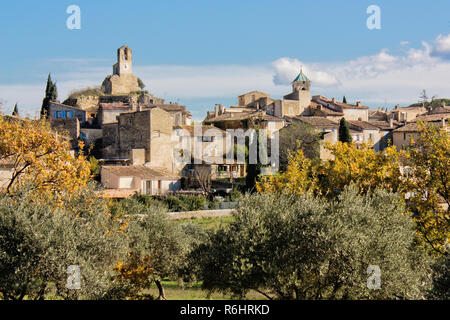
<point>132,132</point>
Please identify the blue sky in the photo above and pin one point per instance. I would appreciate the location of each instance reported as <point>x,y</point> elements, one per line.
<point>205,52</point>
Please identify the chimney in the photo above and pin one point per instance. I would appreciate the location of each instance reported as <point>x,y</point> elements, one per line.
<point>333,100</point>
<point>358,103</point>
<point>443,122</point>
<point>221,109</point>
<point>391,122</point>
<point>216,110</point>
<point>139,108</point>
<point>443,103</point>
<point>397,106</point>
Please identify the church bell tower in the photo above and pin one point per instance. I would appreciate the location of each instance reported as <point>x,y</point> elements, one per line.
<point>124,61</point>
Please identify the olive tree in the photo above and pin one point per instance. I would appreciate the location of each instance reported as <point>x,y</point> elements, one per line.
<point>40,241</point>
<point>157,249</point>
<point>301,247</point>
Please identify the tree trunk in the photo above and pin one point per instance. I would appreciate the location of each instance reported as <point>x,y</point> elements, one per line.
<point>162,295</point>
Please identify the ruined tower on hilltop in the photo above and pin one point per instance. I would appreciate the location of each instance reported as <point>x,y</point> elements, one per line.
<point>122,81</point>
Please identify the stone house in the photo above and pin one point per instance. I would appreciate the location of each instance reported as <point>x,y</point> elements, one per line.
<point>150,130</point>
<point>406,114</point>
<point>365,132</point>
<point>401,137</point>
<point>126,180</point>
<point>208,147</point>
<point>246,120</point>
<point>329,130</point>
<point>356,112</point>
<point>252,99</point>
<point>62,111</point>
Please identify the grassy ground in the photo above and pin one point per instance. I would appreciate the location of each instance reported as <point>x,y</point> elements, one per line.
<point>174,291</point>
<point>208,223</point>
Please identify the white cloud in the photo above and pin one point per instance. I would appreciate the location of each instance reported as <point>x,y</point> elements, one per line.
<point>442,46</point>
<point>286,69</point>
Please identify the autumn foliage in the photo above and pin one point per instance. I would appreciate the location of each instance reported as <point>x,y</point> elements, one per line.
<point>40,157</point>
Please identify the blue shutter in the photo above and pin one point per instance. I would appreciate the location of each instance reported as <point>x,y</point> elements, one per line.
<point>69,114</point>
<point>63,114</point>
<point>55,114</point>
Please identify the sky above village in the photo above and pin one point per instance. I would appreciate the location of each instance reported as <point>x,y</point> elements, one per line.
<point>200,53</point>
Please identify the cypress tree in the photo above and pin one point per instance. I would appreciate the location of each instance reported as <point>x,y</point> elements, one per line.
<point>15,111</point>
<point>344,132</point>
<point>51,94</point>
<point>344,100</point>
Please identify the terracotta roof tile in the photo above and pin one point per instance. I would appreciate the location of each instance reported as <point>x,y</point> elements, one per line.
<point>141,172</point>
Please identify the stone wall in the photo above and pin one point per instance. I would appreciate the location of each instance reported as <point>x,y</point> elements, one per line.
<point>356,114</point>
<point>123,84</point>
<point>70,126</point>
<point>251,97</point>
<point>110,140</point>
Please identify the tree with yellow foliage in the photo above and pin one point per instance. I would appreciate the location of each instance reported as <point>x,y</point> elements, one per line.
<point>361,166</point>
<point>429,185</point>
<point>39,157</point>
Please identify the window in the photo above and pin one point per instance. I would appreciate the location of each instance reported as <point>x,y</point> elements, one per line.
<point>63,114</point>
<point>69,114</point>
<point>207,139</point>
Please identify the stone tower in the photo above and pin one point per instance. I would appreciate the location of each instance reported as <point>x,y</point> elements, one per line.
<point>301,92</point>
<point>124,63</point>
<point>122,81</point>
<point>301,83</point>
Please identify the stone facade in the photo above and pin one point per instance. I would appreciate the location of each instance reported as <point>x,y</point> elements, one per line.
<point>150,130</point>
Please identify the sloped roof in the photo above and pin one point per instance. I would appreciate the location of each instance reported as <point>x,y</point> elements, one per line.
<point>254,91</point>
<point>115,106</point>
<point>301,77</point>
<point>237,116</point>
<point>433,117</point>
<point>324,101</point>
<point>413,126</point>
<point>318,122</point>
<point>116,193</point>
<point>385,125</point>
<point>440,110</point>
<point>365,125</point>
<point>204,129</point>
<point>143,172</point>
